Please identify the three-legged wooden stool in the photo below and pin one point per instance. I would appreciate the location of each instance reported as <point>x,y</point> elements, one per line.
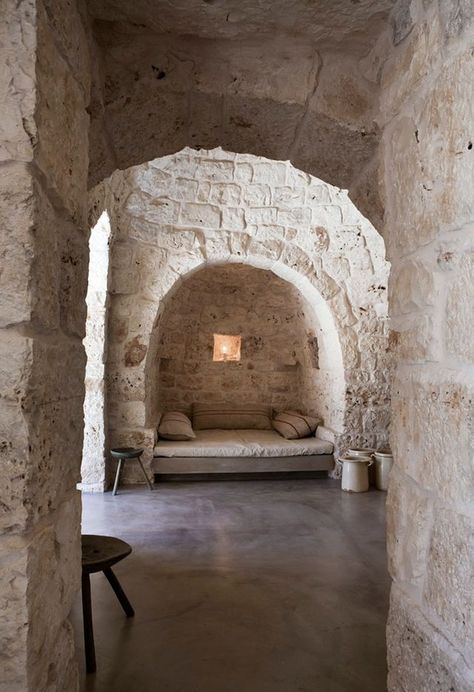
<point>99,553</point>
<point>122,454</point>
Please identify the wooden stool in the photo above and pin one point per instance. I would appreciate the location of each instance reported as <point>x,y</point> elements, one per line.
<point>123,453</point>
<point>99,553</point>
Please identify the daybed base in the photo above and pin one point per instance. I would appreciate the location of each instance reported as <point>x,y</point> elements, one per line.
<point>251,466</point>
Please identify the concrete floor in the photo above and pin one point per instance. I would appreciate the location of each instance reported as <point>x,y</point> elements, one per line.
<point>257,586</point>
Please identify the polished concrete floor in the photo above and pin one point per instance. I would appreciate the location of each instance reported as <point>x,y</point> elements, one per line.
<point>250,586</point>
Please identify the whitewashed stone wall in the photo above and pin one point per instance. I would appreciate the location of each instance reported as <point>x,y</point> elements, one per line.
<point>179,213</point>
<point>428,159</point>
<point>280,360</point>
<point>44,82</point>
<point>280,97</point>
<point>94,452</point>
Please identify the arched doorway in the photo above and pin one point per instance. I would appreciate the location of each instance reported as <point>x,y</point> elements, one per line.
<point>180,213</point>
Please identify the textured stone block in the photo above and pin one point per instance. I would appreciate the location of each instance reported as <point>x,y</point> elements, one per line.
<point>410,514</point>
<point>62,124</point>
<point>450,575</point>
<point>18,132</point>
<point>460,310</point>
<point>438,402</point>
<point>419,657</point>
<point>200,215</point>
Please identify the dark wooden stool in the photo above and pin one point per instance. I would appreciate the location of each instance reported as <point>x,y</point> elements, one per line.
<point>122,454</point>
<point>99,553</point>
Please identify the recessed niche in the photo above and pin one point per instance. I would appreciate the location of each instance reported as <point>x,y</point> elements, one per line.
<point>226,347</point>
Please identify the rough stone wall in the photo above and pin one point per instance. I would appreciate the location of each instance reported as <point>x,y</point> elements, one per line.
<point>428,159</point>
<point>94,447</point>
<point>173,215</point>
<point>279,360</point>
<point>44,84</point>
<point>282,98</point>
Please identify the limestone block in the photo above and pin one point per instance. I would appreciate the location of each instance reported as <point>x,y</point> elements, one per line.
<point>419,657</point>
<point>271,173</point>
<point>233,218</point>
<point>216,170</point>
<point>18,132</point>
<point>407,66</point>
<point>205,120</point>
<point>17,245</point>
<point>260,125</point>
<point>200,215</point>
<point>343,95</point>
<point>255,195</point>
<point>437,401</point>
<point>412,286</point>
<point>409,519</point>
<point>450,575</point>
<point>144,114</point>
<point>159,210</point>
<point>460,310</point>
<point>243,172</point>
<point>126,413</point>
<point>227,194</point>
<point>62,124</point>
<point>73,268</point>
<point>416,338</point>
<point>289,197</point>
<point>126,386</point>
<point>325,156</point>
<point>69,32</point>
<point>261,215</point>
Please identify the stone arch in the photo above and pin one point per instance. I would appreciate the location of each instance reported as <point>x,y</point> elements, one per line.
<point>173,215</point>
<point>321,318</point>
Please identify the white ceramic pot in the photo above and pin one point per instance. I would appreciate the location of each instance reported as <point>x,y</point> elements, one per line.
<point>383,466</point>
<point>355,477</point>
<point>365,452</point>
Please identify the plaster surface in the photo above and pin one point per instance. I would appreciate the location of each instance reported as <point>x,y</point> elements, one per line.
<point>266,586</point>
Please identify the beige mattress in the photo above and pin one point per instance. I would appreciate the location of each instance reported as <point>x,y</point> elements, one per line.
<point>242,443</point>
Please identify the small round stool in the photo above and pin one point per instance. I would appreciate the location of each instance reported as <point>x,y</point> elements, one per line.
<point>99,553</point>
<point>122,454</point>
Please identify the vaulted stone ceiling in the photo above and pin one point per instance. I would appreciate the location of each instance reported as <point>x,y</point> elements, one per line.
<point>326,22</point>
<point>284,79</point>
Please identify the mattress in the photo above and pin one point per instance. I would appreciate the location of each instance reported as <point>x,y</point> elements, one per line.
<point>242,443</point>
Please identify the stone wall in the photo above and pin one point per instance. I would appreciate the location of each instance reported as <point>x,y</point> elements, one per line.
<point>428,161</point>
<point>179,213</point>
<point>280,363</point>
<point>157,93</point>
<point>44,82</point>
<point>95,425</point>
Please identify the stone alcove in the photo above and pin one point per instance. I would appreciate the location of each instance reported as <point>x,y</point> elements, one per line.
<point>178,214</point>
<point>285,358</point>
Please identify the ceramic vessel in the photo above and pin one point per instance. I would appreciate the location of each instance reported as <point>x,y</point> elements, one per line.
<point>383,466</point>
<point>365,452</point>
<point>355,477</point>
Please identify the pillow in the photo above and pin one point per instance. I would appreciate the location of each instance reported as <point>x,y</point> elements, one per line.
<point>175,426</point>
<point>293,425</point>
<point>232,417</point>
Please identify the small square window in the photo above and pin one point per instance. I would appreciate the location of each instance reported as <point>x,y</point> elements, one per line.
<point>226,347</point>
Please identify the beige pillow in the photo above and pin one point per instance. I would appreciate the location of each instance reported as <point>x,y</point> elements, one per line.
<point>293,425</point>
<point>175,426</point>
<point>232,417</point>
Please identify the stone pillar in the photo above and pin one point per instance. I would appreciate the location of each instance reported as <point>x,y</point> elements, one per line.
<point>93,476</point>
<point>43,274</point>
<point>428,162</point>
